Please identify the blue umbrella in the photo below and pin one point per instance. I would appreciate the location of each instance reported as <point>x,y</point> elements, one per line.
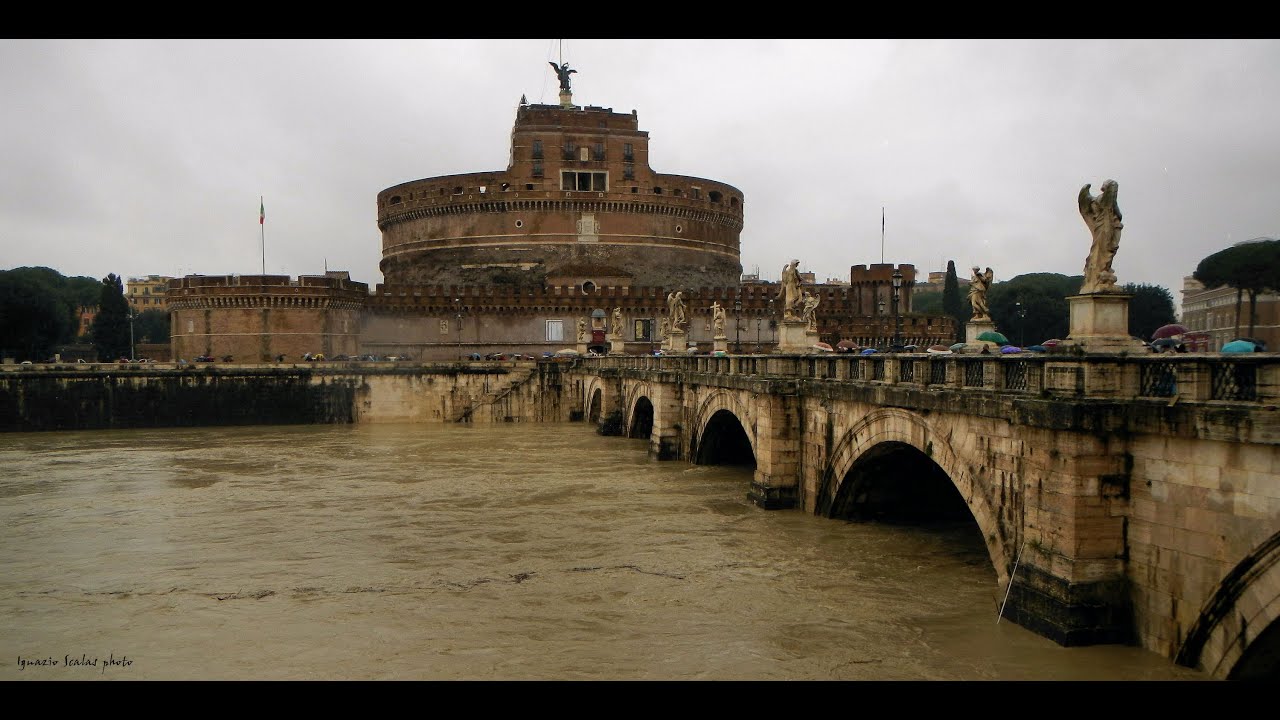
<point>1038,348</point>
<point>1238,346</point>
<point>1009,350</point>
<point>868,351</point>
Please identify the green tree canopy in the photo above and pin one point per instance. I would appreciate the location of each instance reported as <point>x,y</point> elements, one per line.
<point>1033,308</point>
<point>1250,267</point>
<point>111,325</point>
<point>928,302</point>
<point>31,318</point>
<point>1150,308</point>
<point>41,309</point>
<point>152,326</point>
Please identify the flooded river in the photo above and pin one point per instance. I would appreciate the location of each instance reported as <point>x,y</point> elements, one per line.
<point>452,552</point>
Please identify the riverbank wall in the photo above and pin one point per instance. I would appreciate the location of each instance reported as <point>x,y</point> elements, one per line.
<point>37,398</point>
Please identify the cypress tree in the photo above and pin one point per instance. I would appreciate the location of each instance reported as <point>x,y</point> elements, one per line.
<point>952,304</point>
<point>111,325</point>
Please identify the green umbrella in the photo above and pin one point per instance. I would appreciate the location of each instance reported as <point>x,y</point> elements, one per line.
<point>993,336</point>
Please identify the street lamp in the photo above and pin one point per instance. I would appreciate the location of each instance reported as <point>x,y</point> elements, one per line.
<point>132,354</point>
<point>897,319</point>
<point>737,326</point>
<point>1021,312</point>
<point>880,318</point>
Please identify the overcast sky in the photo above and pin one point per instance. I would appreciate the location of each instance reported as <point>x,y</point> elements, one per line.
<point>149,156</point>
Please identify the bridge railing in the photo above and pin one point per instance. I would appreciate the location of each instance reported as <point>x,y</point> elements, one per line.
<point>1250,377</point>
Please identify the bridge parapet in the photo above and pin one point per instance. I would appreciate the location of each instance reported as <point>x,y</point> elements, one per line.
<point>1197,378</point>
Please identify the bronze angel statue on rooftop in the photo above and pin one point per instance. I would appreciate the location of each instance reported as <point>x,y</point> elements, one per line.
<point>563,72</point>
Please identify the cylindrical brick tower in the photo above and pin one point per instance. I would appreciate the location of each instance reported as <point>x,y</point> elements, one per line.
<point>578,200</point>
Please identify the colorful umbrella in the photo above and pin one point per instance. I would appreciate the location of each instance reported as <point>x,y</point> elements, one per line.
<point>993,336</point>
<point>847,346</point>
<point>824,347</point>
<point>1010,350</point>
<point>1239,346</point>
<point>868,351</point>
<point>957,347</point>
<point>1166,342</point>
<point>1261,346</point>
<point>1051,342</point>
<point>1170,330</point>
<point>1037,348</point>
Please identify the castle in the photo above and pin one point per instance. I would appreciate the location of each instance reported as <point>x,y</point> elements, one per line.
<point>577,226</point>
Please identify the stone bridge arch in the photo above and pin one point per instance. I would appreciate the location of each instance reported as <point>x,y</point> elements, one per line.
<point>715,402</point>
<point>633,393</point>
<point>895,425</point>
<point>1237,635</point>
<point>600,401</point>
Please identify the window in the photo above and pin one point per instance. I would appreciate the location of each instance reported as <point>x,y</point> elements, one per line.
<point>537,172</point>
<point>555,331</point>
<point>696,193</point>
<point>627,154</point>
<point>629,172</point>
<point>537,149</point>
<point>570,151</point>
<point>644,330</point>
<point>584,181</point>
<point>597,151</point>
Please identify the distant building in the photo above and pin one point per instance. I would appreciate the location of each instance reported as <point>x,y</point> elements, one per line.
<point>1213,311</point>
<point>147,293</point>
<point>86,313</point>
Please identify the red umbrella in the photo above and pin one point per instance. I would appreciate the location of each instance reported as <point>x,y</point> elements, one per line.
<point>1169,331</point>
<point>847,346</point>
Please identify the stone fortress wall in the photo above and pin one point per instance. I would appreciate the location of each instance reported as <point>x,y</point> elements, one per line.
<point>256,318</point>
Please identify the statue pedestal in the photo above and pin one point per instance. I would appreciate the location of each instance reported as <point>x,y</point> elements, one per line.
<point>795,336</point>
<point>720,343</point>
<point>973,329</point>
<point>617,346</point>
<point>675,342</point>
<point>1100,323</point>
<point>566,99</point>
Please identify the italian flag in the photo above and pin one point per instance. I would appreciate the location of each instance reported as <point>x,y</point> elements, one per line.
<point>262,212</point>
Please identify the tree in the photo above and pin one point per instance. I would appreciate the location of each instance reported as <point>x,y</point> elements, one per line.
<point>31,319</point>
<point>152,326</point>
<point>111,326</point>
<point>1150,307</point>
<point>1043,312</point>
<point>926,303</point>
<point>952,304</point>
<point>1251,267</point>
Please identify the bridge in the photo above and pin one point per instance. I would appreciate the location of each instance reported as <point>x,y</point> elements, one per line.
<point>1122,498</point>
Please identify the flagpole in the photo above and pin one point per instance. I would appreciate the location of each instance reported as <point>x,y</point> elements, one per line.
<point>881,234</point>
<point>262,227</point>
